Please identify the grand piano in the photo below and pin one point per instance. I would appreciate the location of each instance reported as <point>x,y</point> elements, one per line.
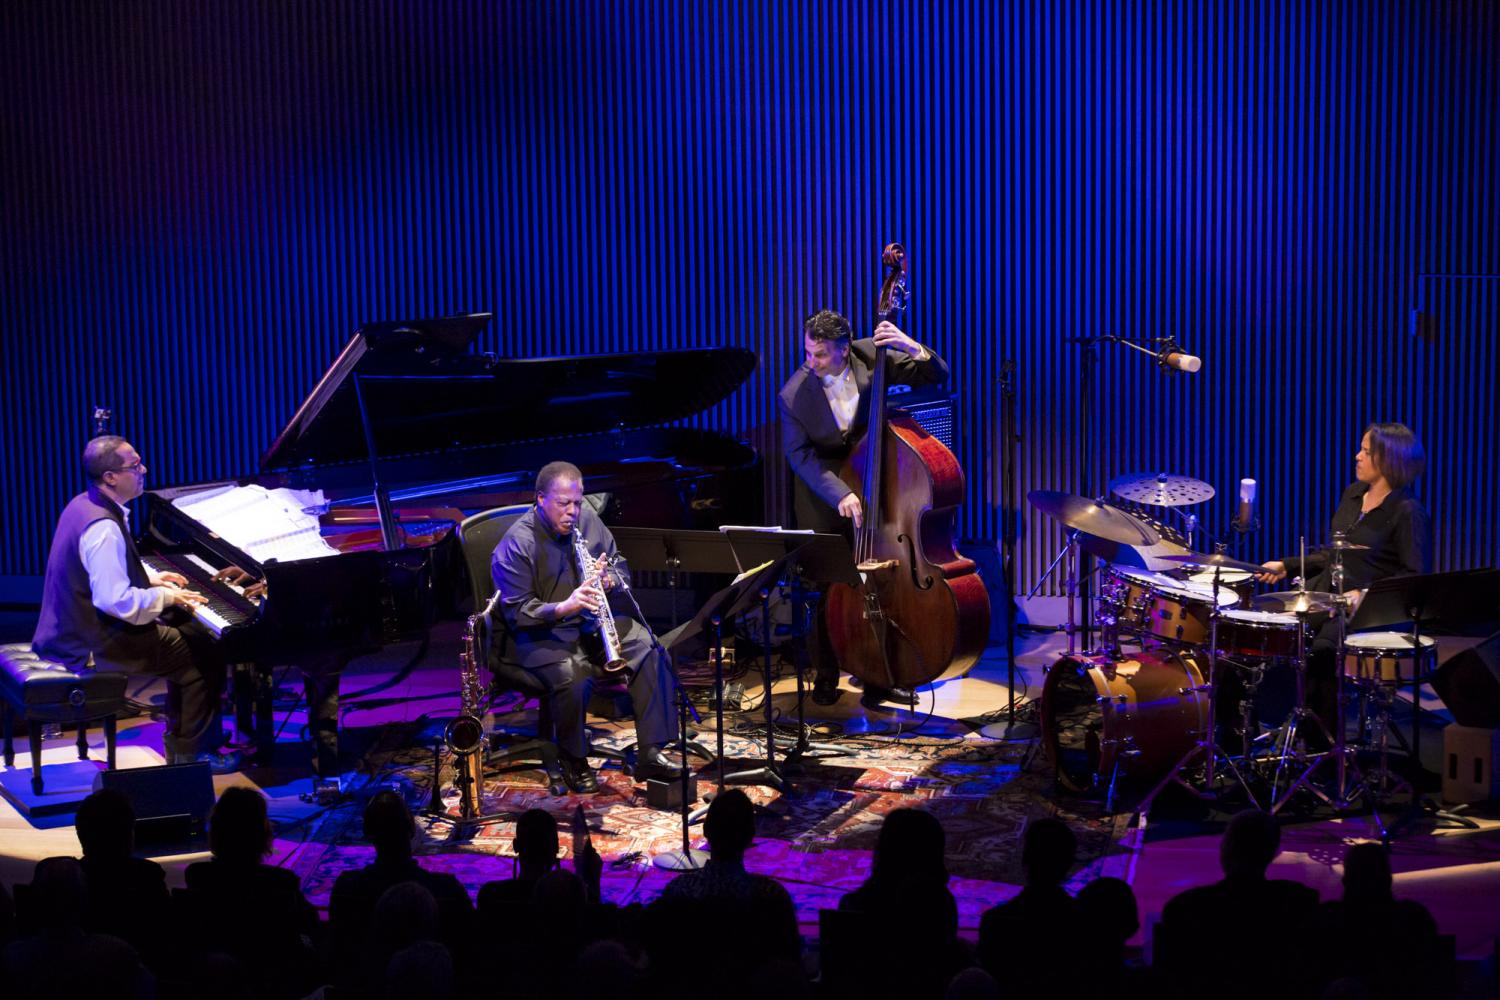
<point>407,432</point>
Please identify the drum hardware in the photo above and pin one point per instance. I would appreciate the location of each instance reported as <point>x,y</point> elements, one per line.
<point>1374,663</point>
<point>1084,517</point>
<point>1342,753</point>
<point>1207,745</point>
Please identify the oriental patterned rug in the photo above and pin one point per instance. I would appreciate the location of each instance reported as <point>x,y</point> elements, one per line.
<point>816,838</point>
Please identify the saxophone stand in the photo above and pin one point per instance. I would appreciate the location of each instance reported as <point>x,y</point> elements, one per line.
<point>465,773</point>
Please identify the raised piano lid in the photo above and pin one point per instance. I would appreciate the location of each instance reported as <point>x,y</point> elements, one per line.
<point>426,390</point>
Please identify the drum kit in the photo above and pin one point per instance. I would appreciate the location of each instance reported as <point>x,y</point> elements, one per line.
<point>1174,625</point>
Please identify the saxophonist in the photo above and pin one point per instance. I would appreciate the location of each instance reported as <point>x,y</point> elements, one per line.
<point>553,606</point>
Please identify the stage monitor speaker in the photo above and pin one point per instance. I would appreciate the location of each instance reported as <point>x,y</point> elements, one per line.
<point>171,802</point>
<point>1469,685</point>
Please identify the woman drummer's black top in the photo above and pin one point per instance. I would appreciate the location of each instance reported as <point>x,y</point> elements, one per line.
<point>1398,533</point>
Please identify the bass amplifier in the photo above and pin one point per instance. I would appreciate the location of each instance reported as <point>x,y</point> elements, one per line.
<point>934,411</point>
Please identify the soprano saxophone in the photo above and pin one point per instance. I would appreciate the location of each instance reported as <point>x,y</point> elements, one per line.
<point>465,735</point>
<point>614,662</point>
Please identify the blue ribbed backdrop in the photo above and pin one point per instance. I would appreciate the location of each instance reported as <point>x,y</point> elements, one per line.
<point>200,201</point>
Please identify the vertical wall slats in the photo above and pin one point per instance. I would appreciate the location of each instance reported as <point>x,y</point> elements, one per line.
<point>200,203</point>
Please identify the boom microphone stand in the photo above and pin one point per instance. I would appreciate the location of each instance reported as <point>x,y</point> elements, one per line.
<point>1010,729</point>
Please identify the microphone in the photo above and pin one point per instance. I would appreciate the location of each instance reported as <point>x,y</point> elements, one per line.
<point>1170,358</point>
<point>1244,519</point>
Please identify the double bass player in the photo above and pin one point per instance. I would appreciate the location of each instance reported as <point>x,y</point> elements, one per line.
<point>825,408</point>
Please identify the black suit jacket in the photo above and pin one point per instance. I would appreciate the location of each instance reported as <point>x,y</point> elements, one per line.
<point>810,436</point>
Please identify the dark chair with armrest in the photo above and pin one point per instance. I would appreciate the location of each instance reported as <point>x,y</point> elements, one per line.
<point>479,534</point>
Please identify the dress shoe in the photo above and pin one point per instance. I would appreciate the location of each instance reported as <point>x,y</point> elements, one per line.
<point>218,763</point>
<point>825,691</point>
<point>874,696</point>
<point>653,764</point>
<point>579,774</point>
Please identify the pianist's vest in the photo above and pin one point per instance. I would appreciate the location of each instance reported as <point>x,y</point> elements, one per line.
<point>70,627</point>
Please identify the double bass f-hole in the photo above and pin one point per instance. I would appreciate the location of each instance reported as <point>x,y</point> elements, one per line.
<point>918,580</point>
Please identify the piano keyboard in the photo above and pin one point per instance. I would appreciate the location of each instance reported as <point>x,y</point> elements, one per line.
<point>227,605</point>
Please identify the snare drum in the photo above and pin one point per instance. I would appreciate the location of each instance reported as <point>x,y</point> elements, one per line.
<point>1386,657</point>
<point>1152,604</point>
<point>1237,580</point>
<point>1257,634</point>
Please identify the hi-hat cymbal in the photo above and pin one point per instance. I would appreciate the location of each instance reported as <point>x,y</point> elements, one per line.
<point>1295,601</point>
<point>1342,544</point>
<point>1093,518</point>
<point>1205,560</point>
<point>1161,489</point>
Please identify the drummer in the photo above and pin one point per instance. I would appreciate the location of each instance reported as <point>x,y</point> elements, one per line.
<point>1379,512</point>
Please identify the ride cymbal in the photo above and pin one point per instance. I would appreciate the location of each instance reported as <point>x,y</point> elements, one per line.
<point>1093,518</point>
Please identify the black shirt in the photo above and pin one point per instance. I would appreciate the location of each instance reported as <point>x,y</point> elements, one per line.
<point>1398,533</point>
<point>535,568</point>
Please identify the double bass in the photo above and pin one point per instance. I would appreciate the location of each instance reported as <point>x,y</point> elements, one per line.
<point>921,613</point>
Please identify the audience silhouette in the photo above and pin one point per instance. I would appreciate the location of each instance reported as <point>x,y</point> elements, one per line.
<point>104,924</point>
<point>1024,943</point>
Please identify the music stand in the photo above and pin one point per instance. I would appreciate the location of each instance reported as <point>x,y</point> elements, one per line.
<point>675,551</point>
<point>822,558</point>
<point>744,592</point>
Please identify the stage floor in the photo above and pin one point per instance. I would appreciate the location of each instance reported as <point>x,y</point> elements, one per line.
<point>817,836</point>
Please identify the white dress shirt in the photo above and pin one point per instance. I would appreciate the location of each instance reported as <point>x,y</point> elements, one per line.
<point>843,396</point>
<point>102,549</point>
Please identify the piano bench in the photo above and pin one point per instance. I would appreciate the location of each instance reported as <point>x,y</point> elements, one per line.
<point>42,690</point>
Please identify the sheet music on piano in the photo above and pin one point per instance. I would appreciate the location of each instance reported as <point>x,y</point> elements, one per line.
<point>264,524</point>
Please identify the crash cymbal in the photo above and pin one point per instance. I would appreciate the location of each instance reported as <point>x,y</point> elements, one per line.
<point>1205,560</point>
<point>1294,601</point>
<point>1093,518</point>
<point>1161,489</point>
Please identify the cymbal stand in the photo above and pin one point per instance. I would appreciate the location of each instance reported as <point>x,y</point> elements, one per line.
<point>1068,555</point>
<point>1208,745</point>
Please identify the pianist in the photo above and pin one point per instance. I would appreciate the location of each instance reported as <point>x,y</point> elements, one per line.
<point>99,602</point>
<point>545,599</point>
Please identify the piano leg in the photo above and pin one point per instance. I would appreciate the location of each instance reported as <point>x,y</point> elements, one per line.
<point>320,682</point>
<point>246,684</point>
<point>264,688</point>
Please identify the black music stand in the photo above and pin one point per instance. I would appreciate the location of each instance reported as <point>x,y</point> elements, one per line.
<point>821,558</point>
<point>1460,602</point>
<point>676,551</point>
<point>748,589</point>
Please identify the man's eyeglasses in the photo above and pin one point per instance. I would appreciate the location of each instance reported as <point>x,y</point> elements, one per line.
<point>132,467</point>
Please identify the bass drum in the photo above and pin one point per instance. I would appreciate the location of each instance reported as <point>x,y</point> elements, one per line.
<point>1141,712</point>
